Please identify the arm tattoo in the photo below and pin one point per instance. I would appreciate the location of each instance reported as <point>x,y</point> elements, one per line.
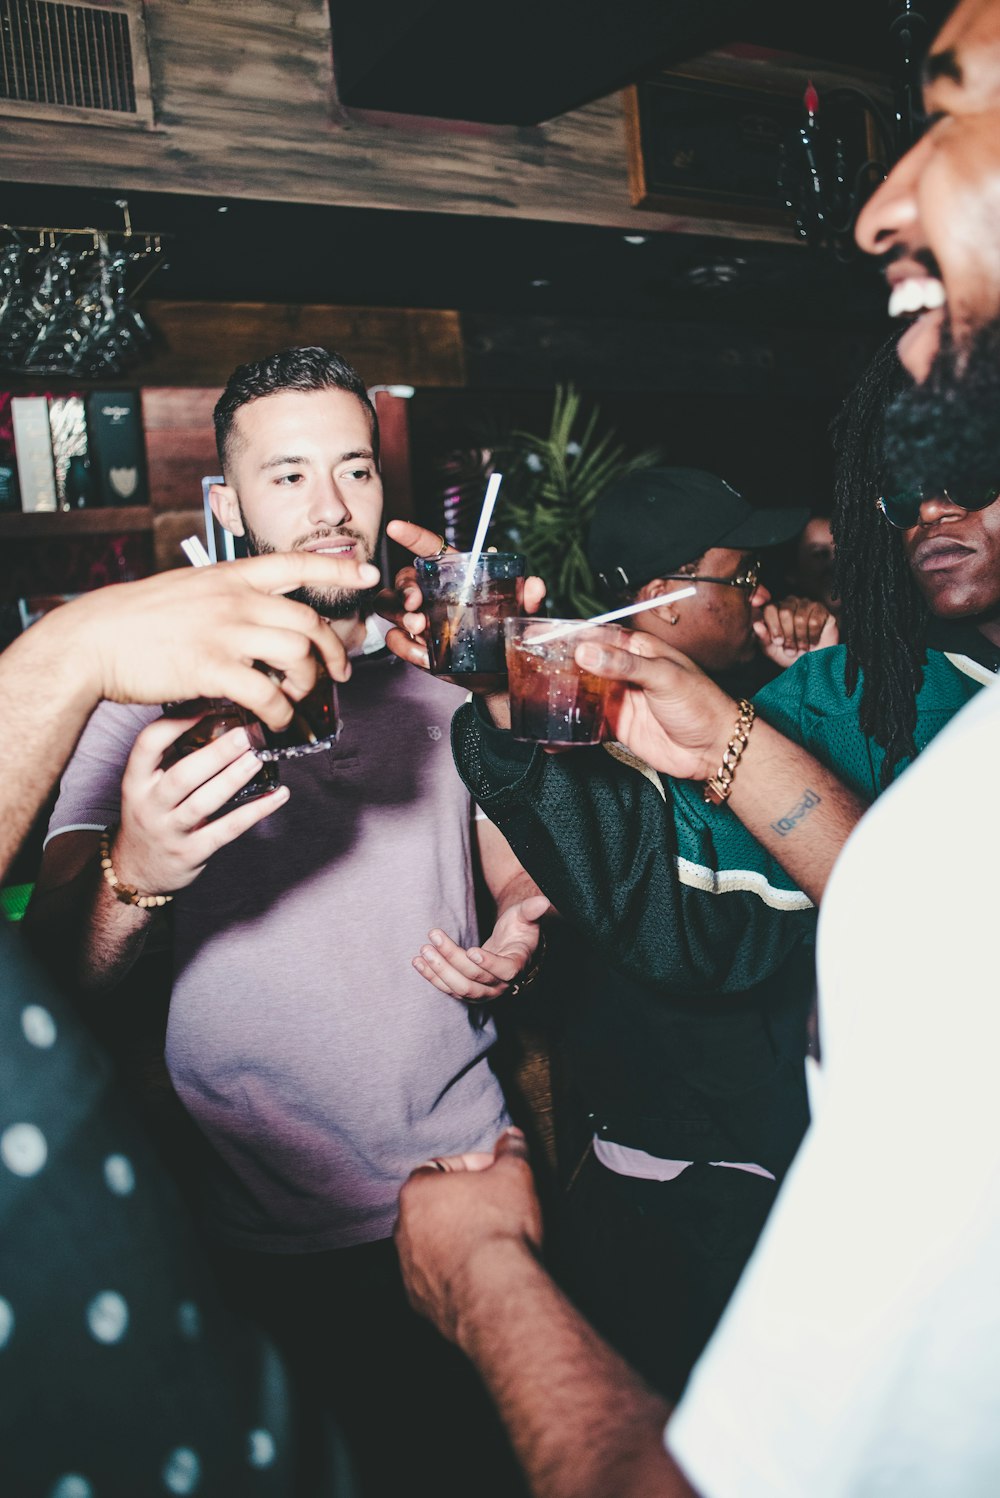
<point>788,823</point>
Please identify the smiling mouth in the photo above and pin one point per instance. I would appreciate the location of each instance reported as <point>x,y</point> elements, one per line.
<point>331,548</point>
<point>919,301</point>
<point>915,295</point>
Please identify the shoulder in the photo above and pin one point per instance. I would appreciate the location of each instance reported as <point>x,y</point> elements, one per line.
<point>813,686</point>
<point>953,677</point>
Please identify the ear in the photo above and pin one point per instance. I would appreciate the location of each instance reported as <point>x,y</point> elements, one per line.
<point>226,507</point>
<point>652,589</point>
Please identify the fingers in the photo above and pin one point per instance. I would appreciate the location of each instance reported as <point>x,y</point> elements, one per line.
<point>203,765</point>
<point>617,665</point>
<point>450,1164</point>
<point>511,1145</point>
<point>415,538</point>
<point>534,594</point>
<point>283,572</point>
<point>224,830</point>
<point>535,906</point>
<point>830,634</point>
<point>207,799</point>
<point>407,648</point>
<point>154,741</point>
<point>454,971</point>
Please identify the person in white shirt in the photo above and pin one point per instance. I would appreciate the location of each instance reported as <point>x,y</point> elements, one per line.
<point>860,1352</point>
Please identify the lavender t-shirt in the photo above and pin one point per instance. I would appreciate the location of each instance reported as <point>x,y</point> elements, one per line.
<point>319,1064</point>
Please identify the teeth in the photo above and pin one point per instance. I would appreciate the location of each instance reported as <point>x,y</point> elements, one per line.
<point>916,294</point>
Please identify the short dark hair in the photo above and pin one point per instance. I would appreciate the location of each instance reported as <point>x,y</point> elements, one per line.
<point>291,369</point>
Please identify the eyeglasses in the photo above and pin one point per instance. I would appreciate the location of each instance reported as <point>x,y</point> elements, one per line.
<point>903,510</point>
<point>747,580</point>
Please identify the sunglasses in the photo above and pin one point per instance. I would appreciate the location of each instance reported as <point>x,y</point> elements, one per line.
<point>747,580</point>
<point>903,510</point>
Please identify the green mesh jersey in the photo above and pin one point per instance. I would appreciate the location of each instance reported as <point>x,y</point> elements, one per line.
<point>691,1003</point>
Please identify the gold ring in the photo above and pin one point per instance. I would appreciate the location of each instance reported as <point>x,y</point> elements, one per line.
<point>441,549</point>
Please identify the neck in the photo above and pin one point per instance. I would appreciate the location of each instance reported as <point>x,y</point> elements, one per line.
<point>990,629</point>
<point>350,632</point>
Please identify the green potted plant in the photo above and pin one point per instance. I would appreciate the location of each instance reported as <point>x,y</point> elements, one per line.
<point>551,484</point>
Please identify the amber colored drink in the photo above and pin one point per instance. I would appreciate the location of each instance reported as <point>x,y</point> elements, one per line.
<point>552,700</point>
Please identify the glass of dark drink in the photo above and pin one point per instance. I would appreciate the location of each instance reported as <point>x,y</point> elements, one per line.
<point>218,716</point>
<point>315,724</point>
<point>552,700</point>
<point>465,614</point>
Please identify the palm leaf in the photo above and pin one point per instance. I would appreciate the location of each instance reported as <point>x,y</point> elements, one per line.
<point>551,485</point>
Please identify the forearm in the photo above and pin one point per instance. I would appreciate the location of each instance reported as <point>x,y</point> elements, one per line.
<point>582,1423</point>
<point>45,701</point>
<point>112,939</point>
<point>674,893</point>
<point>81,928</point>
<point>794,806</point>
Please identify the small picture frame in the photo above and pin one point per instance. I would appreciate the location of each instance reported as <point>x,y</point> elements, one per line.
<point>708,147</point>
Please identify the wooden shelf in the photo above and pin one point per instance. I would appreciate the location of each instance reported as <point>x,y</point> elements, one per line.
<point>49,525</point>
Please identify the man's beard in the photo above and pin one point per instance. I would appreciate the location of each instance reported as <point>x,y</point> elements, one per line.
<point>945,433</point>
<point>330,603</point>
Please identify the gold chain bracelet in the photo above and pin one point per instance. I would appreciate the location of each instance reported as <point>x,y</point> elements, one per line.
<point>718,787</point>
<point>127,893</point>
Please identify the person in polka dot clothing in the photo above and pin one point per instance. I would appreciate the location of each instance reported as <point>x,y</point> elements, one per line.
<point>122,1375</point>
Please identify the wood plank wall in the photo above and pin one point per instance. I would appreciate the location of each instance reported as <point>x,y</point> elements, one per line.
<point>245,106</point>
<point>200,343</point>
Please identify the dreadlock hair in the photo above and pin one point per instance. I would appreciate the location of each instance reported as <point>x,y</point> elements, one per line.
<point>883,617</point>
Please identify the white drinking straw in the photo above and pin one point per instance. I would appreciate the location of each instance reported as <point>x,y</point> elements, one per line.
<point>195,552</point>
<point>630,608</point>
<point>496,479</point>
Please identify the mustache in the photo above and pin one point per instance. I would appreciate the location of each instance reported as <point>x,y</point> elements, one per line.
<point>341,533</point>
<point>923,258</point>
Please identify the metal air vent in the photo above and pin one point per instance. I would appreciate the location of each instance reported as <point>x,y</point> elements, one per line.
<point>74,61</point>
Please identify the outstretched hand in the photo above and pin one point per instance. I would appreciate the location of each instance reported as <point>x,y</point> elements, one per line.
<point>671,715</point>
<point>197,633</point>
<point>479,974</point>
<point>402,604</point>
<point>454,1206</point>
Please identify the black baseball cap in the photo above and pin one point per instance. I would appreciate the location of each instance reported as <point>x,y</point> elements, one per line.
<point>652,522</point>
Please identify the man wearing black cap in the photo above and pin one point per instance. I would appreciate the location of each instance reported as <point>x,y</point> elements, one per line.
<point>665,525</point>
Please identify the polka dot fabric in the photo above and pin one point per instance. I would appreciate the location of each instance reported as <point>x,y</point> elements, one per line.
<point>121,1374</point>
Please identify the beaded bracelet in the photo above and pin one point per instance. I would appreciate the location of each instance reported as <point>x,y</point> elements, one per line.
<point>127,893</point>
<point>718,787</point>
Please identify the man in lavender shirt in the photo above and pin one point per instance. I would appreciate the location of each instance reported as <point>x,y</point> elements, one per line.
<point>315,1060</point>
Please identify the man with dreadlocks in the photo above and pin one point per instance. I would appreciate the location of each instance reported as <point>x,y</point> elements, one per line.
<point>920,576</point>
